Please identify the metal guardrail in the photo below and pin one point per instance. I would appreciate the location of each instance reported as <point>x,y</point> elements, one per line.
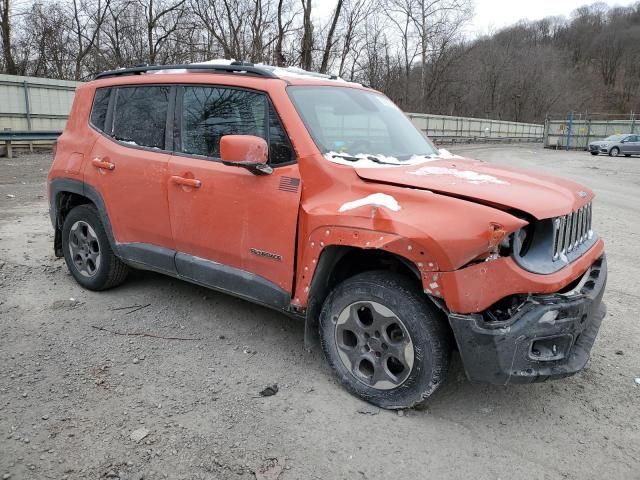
<point>7,136</point>
<point>10,135</point>
<point>444,139</point>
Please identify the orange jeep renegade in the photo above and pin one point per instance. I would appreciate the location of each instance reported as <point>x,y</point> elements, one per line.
<point>319,198</point>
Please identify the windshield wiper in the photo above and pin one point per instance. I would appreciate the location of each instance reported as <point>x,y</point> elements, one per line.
<point>350,158</point>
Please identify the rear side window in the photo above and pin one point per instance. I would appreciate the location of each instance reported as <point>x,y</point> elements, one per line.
<point>140,115</point>
<point>209,113</point>
<point>100,107</point>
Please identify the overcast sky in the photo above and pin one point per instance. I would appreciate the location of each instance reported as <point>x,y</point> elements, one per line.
<point>494,14</point>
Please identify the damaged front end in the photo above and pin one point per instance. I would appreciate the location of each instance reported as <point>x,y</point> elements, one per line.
<point>532,338</point>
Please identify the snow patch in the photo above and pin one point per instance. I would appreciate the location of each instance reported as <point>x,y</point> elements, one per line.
<point>466,175</point>
<point>295,72</point>
<point>446,154</point>
<point>216,61</point>
<point>376,200</point>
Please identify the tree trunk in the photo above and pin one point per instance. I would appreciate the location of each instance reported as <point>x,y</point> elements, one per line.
<point>332,29</point>
<point>307,36</point>
<point>280,60</point>
<point>150,27</point>
<point>5,26</point>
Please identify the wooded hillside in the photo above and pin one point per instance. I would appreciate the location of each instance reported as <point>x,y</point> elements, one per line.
<point>415,51</point>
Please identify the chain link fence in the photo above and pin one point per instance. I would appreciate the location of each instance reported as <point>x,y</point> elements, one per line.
<point>576,130</point>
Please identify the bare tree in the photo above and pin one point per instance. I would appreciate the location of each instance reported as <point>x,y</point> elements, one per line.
<point>159,24</point>
<point>5,35</point>
<point>357,11</point>
<point>608,51</point>
<point>412,50</point>
<point>307,36</point>
<point>87,19</point>
<point>330,42</point>
<point>279,56</point>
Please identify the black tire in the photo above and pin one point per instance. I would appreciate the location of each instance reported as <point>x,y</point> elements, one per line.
<point>594,153</point>
<point>614,152</point>
<point>88,240</point>
<point>421,322</point>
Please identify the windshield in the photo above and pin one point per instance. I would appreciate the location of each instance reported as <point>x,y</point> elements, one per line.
<point>614,138</point>
<point>352,122</point>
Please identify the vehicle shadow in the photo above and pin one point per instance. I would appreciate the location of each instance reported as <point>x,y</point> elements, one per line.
<point>247,322</point>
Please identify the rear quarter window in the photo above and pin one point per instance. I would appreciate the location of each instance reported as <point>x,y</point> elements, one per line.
<point>100,107</point>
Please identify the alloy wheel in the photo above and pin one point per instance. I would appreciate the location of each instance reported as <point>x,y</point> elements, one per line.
<point>374,345</point>
<point>84,248</point>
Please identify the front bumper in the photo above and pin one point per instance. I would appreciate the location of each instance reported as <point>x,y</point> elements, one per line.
<point>550,336</point>
<point>599,148</point>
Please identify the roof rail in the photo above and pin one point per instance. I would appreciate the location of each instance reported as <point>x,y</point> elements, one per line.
<point>236,67</point>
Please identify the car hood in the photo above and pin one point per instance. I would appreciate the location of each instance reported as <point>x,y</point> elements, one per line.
<point>541,196</point>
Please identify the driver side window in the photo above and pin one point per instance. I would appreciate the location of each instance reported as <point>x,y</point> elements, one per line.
<point>209,113</point>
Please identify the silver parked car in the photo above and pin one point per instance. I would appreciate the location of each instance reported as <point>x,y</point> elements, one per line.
<point>626,144</point>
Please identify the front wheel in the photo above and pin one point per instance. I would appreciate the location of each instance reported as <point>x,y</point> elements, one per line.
<point>614,152</point>
<point>386,343</point>
<point>87,251</point>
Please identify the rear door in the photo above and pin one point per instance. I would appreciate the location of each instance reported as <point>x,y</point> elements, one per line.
<point>129,167</point>
<point>236,228</point>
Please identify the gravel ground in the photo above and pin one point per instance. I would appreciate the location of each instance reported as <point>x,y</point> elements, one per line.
<point>75,400</point>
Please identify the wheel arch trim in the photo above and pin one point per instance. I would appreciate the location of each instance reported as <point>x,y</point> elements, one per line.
<point>60,186</point>
<point>324,249</point>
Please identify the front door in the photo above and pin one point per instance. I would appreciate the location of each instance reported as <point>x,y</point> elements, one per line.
<point>129,167</point>
<point>233,230</point>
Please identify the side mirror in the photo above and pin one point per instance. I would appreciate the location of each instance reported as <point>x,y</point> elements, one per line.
<point>247,151</point>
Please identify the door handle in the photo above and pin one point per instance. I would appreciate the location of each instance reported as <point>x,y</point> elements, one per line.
<point>187,182</point>
<point>102,164</point>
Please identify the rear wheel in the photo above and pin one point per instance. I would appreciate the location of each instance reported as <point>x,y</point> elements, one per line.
<point>614,152</point>
<point>385,341</point>
<point>87,250</point>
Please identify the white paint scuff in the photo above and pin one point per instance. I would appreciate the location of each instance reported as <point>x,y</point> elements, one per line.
<point>375,200</point>
<point>467,175</point>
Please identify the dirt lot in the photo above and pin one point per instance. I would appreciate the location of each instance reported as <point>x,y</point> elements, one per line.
<point>71,395</point>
